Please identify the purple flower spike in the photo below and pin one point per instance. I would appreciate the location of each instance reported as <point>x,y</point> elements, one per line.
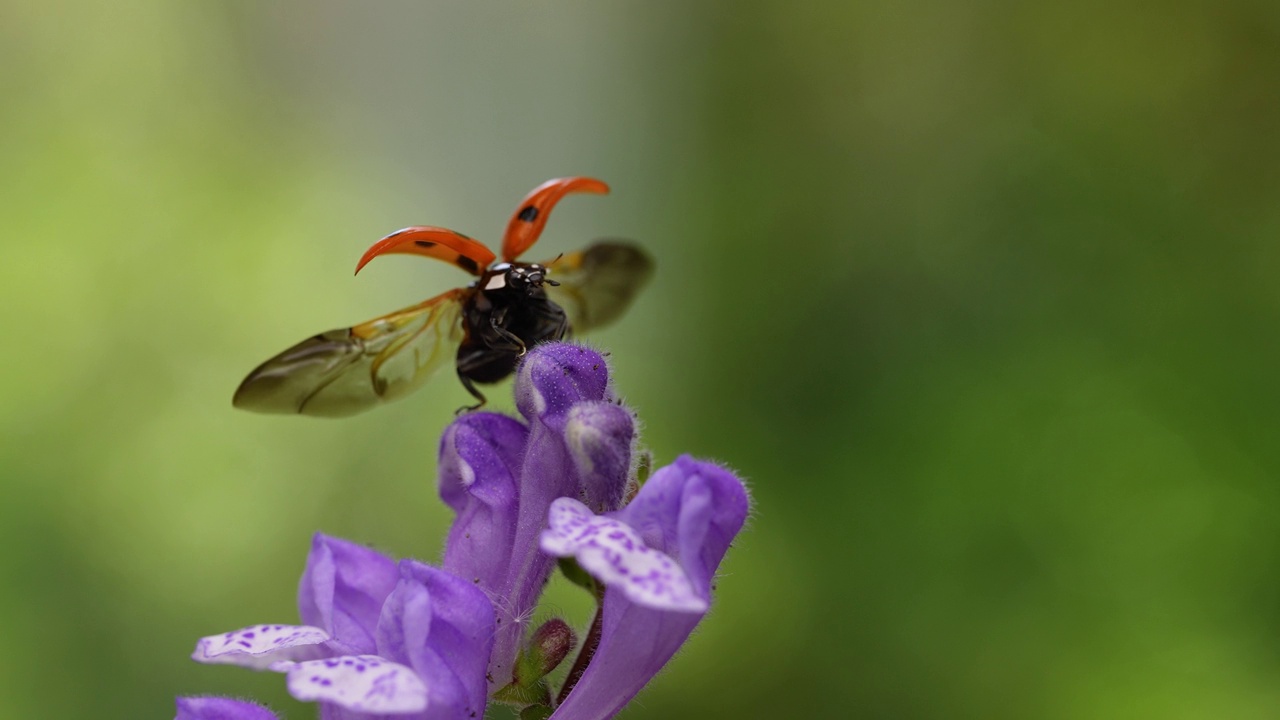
<point>501,478</point>
<point>342,591</point>
<point>217,708</point>
<point>382,640</point>
<point>687,513</point>
<point>560,388</point>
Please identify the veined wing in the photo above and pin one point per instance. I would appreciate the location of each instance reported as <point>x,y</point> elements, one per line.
<point>598,283</point>
<point>343,372</point>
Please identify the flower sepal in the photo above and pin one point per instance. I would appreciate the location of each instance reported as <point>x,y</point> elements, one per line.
<point>644,468</point>
<point>519,696</point>
<point>536,712</point>
<point>548,647</point>
<point>574,573</point>
<point>550,644</point>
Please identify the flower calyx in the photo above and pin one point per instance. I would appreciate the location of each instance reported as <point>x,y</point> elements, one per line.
<point>549,645</point>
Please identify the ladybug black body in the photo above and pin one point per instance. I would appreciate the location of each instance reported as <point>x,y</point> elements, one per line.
<point>508,312</point>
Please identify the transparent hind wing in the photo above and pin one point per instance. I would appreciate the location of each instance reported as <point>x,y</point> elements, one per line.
<point>598,283</point>
<point>346,371</point>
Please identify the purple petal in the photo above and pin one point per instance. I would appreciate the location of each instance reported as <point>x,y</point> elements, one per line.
<point>342,591</point>
<point>600,436</point>
<point>635,643</point>
<point>442,626</point>
<point>217,708</point>
<point>691,511</point>
<point>617,556</point>
<point>260,646</point>
<point>480,458</point>
<point>363,683</point>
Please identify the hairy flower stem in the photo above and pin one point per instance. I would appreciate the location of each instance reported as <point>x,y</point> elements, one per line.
<point>588,651</point>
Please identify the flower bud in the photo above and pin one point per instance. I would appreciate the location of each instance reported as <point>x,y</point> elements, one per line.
<point>554,376</point>
<point>536,712</point>
<point>599,436</point>
<point>548,647</point>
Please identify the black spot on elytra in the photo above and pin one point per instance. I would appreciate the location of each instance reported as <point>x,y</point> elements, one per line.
<point>424,243</point>
<point>528,214</point>
<point>467,264</point>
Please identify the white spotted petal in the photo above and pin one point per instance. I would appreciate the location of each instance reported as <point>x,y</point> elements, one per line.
<point>616,555</point>
<point>262,646</point>
<point>361,683</point>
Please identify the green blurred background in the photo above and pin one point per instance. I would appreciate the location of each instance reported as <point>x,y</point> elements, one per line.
<point>981,296</point>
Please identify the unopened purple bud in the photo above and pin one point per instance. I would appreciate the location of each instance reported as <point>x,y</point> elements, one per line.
<point>599,436</point>
<point>555,376</point>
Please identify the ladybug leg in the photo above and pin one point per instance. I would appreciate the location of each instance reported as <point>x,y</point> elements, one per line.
<point>475,392</point>
<point>511,342</point>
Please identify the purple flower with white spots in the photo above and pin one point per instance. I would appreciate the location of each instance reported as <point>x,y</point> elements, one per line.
<point>382,638</point>
<point>570,467</point>
<point>501,476</point>
<point>218,708</point>
<point>656,558</point>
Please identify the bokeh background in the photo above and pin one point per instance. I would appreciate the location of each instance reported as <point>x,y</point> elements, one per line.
<point>981,296</point>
